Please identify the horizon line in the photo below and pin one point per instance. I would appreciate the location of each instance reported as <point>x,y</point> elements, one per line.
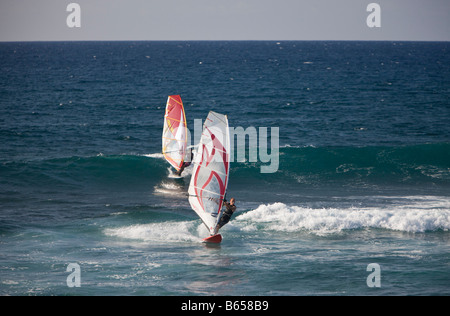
<point>225,40</point>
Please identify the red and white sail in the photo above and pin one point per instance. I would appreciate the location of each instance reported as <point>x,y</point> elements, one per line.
<point>174,137</point>
<point>211,170</point>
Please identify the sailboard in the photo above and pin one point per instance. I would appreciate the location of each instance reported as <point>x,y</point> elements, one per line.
<point>174,137</point>
<point>209,179</point>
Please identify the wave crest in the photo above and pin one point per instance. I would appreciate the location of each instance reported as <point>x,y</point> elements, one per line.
<point>285,218</point>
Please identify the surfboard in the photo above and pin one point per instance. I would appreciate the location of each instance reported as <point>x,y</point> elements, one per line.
<point>172,175</point>
<point>174,136</point>
<point>209,179</point>
<point>214,239</point>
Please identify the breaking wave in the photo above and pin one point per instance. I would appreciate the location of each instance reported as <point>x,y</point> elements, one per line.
<point>291,218</point>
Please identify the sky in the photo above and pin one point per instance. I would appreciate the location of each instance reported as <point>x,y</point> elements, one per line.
<point>45,20</point>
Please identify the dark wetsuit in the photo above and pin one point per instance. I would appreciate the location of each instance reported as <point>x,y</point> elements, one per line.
<point>226,216</point>
<point>184,165</point>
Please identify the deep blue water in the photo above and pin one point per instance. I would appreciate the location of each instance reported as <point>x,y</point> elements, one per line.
<point>363,177</point>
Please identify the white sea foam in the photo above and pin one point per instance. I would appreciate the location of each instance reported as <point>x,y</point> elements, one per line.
<point>158,232</point>
<point>171,186</point>
<point>187,172</point>
<point>407,218</point>
<point>155,155</point>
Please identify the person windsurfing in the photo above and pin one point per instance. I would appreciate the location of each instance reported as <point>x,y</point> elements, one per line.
<point>185,164</point>
<point>230,208</point>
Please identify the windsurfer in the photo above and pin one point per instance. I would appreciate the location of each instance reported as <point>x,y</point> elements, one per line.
<point>230,208</point>
<point>185,164</point>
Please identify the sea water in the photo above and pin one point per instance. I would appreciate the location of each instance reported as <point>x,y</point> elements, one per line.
<point>363,179</point>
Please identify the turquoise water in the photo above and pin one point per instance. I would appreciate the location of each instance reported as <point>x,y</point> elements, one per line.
<point>363,177</point>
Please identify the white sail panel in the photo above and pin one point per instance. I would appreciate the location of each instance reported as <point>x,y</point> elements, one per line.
<point>211,170</point>
<point>174,137</point>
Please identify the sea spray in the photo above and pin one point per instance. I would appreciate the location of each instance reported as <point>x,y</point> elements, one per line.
<point>292,218</point>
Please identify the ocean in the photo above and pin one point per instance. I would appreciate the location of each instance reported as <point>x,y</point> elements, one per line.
<point>359,203</point>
